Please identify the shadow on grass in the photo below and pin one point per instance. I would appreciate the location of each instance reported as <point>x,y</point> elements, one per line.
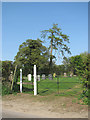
<point>25,89</point>
<point>43,92</point>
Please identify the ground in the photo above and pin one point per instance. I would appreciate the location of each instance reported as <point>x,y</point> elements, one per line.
<point>49,106</point>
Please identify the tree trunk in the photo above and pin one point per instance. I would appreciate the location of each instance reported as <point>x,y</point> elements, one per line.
<point>13,77</point>
<point>50,66</point>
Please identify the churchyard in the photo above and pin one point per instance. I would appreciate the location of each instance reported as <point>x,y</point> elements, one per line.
<point>37,69</point>
<point>46,85</point>
<point>45,65</point>
<point>37,81</point>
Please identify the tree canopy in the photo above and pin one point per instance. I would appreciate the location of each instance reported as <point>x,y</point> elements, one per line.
<point>7,67</point>
<point>31,53</point>
<point>57,41</point>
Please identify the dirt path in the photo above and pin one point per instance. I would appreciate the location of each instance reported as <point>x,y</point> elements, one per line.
<point>7,113</point>
<point>44,106</point>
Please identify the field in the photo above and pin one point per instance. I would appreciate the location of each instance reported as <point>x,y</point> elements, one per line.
<point>62,86</point>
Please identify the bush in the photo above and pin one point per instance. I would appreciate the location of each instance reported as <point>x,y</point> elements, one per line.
<point>6,88</point>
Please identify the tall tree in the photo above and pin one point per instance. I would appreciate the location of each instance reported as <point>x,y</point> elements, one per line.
<point>57,41</point>
<point>31,52</point>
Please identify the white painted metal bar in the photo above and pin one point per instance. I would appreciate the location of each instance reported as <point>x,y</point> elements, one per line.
<point>35,81</point>
<point>21,80</point>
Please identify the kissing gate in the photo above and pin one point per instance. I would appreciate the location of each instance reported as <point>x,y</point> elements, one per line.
<point>35,81</point>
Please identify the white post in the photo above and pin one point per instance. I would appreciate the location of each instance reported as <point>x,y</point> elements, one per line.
<point>35,81</point>
<point>21,80</point>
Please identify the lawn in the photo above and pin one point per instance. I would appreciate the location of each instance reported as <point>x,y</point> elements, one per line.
<point>62,86</point>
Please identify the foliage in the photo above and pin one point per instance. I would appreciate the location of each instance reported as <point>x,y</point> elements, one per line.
<point>58,69</point>
<point>79,65</point>
<point>6,88</point>
<point>31,53</point>
<point>7,67</point>
<point>74,64</point>
<point>85,76</point>
<point>57,41</point>
<point>0,68</point>
<point>67,66</point>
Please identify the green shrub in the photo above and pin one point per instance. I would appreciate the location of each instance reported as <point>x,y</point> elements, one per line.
<point>6,88</point>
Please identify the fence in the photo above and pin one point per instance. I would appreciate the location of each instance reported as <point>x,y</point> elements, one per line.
<point>60,85</point>
<point>52,85</point>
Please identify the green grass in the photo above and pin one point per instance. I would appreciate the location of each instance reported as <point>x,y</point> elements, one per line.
<point>68,86</point>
